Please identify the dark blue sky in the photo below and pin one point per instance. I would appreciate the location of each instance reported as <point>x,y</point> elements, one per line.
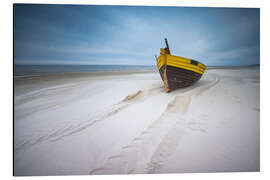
<point>132,35</point>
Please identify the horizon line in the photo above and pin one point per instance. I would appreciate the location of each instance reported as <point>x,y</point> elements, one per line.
<point>121,65</point>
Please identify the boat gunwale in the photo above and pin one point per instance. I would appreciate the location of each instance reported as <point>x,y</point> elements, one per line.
<point>182,64</point>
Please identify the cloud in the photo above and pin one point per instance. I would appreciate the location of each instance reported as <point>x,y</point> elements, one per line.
<point>133,35</point>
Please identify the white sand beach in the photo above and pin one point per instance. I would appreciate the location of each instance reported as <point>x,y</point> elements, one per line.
<point>125,123</point>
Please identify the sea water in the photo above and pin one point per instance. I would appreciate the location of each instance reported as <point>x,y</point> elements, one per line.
<point>40,69</point>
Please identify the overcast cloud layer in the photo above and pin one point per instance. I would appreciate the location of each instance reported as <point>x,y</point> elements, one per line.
<point>132,35</point>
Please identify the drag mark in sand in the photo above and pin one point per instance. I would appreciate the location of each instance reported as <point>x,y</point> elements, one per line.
<point>143,152</point>
<point>70,129</point>
<point>129,100</point>
<point>148,152</point>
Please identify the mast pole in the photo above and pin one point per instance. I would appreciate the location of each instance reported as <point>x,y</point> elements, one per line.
<point>167,46</point>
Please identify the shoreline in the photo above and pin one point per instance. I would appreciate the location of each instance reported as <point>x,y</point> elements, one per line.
<point>29,82</point>
<point>32,82</point>
<point>96,73</point>
<point>112,72</point>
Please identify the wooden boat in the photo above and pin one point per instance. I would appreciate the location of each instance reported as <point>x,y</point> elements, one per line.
<point>178,72</point>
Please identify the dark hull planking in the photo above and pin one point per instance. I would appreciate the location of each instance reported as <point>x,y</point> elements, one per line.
<point>178,77</point>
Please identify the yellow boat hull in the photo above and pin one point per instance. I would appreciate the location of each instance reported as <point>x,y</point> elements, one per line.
<point>178,72</point>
